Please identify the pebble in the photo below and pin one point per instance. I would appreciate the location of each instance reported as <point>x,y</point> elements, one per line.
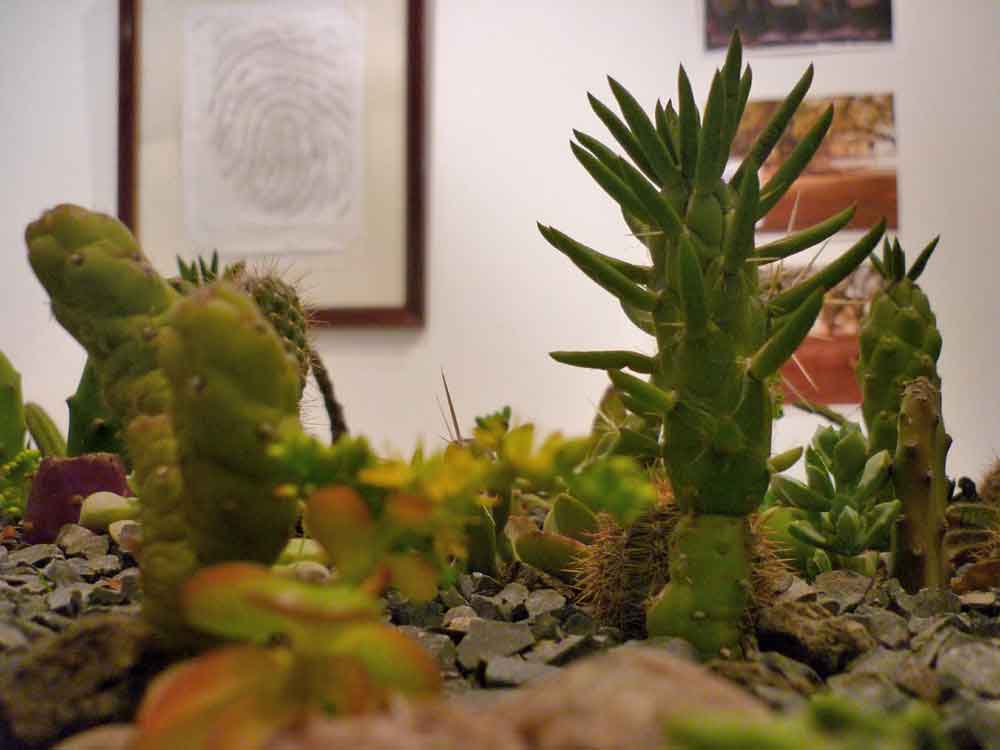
<point>451,598</point>
<point>61,573</point>
<point>841,590</point>
<point>11,637</point>
<point>487,639</point>
<point>886,627</point>
<point>511,671</point>
<point>542,601</point>
<point>972,666</point>
<point>78,541</point>
<point>459,619</point>
<point>557,652</point>
<point>36,554</point>
<point>68,600</point>
<point>485,606</point>
<point>875,690</point>
<point>511,601</point>
<point>105,565</point>
<point>440,646</point>
<point>931,602</point>
<point>979,599</point>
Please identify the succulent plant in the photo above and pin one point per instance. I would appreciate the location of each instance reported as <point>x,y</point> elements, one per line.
<point>338,657</point>
<point>12,426</point>
<point>705,394</point>
<point>841,517</point>
<point>919,558</point>
<point>15,483</point>
<point>59,487</point>
<point>899,341</point>
<point>44,434</point>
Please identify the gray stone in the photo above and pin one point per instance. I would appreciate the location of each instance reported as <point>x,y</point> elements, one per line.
<point>931,602</point>
<point>486,607</point>
<point>979,599</point>
<point>83,567</point>
<point>971,722</point>
<point>557,652</point>
<point>52,620</point>
<point>543,601</point>
<point>33,585</point>
<point>844,589</point>
<point>797,591</point>
<point>800,676</point>
<point>923,628</point>
<point>36,554</point>
<point>545,625</point>
<point>973,666</point>
<point>78,541</point>
<point>942,641</point>
<point>510,601</point>
<point>7,609</point>
<point>439,645</point>
<point>511,671</point>
<point>781,700</point>
<point>421,614</point>
<point>458,619</point>
<point>886,627</point>
<point>810,634</point>
<point>11,637</point>
<point>61,573</point>
<point>68,600</point>
<point>874,690</point>
<point>451,598</point>
<point>106,565</point>
<point>478,583</point>
<point>879,661</point>
<point>130,581</point>
<point>102,594</point>
<point>899,600</point>
<point>487,639</point>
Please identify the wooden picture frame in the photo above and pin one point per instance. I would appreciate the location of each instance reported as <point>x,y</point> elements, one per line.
<point>386,261</point>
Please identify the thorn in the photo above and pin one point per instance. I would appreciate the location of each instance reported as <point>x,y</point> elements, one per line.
<point>451,407</point>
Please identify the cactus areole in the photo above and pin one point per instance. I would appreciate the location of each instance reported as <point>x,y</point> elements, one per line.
<point>704,396</point>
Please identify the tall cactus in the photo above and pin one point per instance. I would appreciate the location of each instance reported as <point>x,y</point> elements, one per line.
<point>107,295</point>
<point>919,559</point>
<point>899,342</point>
<point>705,400</point>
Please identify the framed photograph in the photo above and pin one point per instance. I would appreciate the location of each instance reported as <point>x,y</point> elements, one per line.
<point>823,367</point>
<point>791,25</point>
<point>856,162</point>
<point>286,134</point>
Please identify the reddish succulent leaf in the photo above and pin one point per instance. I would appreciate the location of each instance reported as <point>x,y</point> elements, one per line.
<point>243,600</point>
<point>248,722</point>
<point>338,519</point>
<point>182,704</point>
<point>413,576</point>
<point>391,660</point>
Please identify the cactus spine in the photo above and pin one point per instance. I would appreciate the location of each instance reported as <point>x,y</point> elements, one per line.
<point>705,394</point>
<point>919,559</point>
<point>46,436</point>
<point>12,426</point>
<point>899,341</point>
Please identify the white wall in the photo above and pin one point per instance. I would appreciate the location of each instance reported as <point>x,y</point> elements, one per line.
<point>506,85</point>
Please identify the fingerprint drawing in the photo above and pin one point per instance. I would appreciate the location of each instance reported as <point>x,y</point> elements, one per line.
<point>272,127</point>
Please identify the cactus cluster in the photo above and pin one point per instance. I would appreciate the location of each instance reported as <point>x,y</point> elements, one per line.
<point>899,342</point>
<point>703,399</point>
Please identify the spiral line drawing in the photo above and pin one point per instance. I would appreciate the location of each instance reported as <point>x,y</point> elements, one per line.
<point>281,113</point>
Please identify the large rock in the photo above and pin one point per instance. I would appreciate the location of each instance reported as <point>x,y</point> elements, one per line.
<point>617,700</point>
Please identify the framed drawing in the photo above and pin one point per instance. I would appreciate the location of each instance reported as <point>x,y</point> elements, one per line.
<point>286,134</point>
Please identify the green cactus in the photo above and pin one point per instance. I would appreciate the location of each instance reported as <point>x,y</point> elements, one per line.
<point>899,341</point>
<point>841,519</point>
<point>235,391</point>
<point>92,427</point>
<point>15,483</point>
<point>12,426</point>
<point>107,295</point>
<point>44,433</point>
<point>720,341</point>
<point>280,304</point>
<point>918,554</point>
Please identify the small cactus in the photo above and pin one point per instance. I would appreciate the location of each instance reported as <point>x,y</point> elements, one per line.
<point>899,341</point>
<point>44,433</point>
<point>12,426</point>
<point>918,555</point>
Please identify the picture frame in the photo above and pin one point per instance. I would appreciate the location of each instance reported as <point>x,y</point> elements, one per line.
<point>364,167</point>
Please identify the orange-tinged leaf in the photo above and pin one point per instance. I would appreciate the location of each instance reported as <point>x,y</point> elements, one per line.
<point>182,704</point>
<point>338,519</point>
<point>215,599</point>
<point>341,684</point>
<point>240,600</point>
<point>413,576</point>
<point>393,661</point>
<point>248,722</point>
<point>408,510</point>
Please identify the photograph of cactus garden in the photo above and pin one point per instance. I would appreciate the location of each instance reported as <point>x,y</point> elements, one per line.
<point>607,497</point>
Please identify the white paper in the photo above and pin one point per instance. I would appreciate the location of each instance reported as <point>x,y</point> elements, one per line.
<point>271,131</point>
